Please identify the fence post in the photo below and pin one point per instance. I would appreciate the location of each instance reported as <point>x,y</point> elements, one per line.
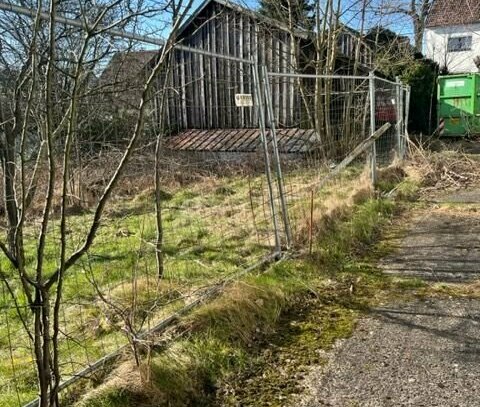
<point>399,114</point>
<point>276,155</point>
<point>407,116</point>
<point>372,158</point>
<point>261,121</point>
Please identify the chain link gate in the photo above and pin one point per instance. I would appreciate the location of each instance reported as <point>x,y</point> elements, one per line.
<point>346,112</point>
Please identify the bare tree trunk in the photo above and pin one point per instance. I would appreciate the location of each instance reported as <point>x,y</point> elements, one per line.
<point>158,159</point>
<point>349,126</point>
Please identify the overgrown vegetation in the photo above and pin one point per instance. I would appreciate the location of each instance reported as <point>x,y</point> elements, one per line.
<point>253,343</point>
<point>213,227</point>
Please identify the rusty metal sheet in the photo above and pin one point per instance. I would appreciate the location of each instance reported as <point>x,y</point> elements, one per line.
<point>242,143</point>
<point>241,140</point>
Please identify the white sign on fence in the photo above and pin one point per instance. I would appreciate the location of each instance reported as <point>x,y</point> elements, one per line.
<point>243,100</point>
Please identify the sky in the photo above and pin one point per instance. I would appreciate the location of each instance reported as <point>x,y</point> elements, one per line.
<point>351,16</point>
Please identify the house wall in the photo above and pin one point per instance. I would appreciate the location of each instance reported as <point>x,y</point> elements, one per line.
<point>435,47</point>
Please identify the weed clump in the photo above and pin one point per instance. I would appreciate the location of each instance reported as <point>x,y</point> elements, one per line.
<point>239,313</point>
<point>186,372</point>
<point>320,220</point>
<point>389,178</point>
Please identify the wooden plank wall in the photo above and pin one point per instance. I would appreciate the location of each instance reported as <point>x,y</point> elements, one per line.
<point>202,90</point>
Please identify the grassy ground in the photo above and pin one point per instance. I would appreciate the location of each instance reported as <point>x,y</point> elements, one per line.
<point>250,346</point>
<point>212,228</point>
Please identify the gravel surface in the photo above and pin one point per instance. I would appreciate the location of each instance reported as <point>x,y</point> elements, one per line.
<point>466,196</point>
<point>419,354</point>
<point>440,244</point>
<point>425,353</point>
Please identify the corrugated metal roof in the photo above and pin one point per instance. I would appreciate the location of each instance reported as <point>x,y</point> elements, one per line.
<point>242,140</point>
<point>453,12</point>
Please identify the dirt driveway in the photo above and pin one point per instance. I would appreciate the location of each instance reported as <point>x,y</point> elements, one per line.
<point>423,353</point>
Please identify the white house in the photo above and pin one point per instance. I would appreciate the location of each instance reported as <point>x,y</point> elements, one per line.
<point>452,35</point>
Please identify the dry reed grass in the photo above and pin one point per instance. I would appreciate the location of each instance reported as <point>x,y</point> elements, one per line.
<point>135,384</point>
<point>316,220</point>
<point>240,312</point>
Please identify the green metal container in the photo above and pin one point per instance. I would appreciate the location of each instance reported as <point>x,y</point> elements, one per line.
<point>459,105</point>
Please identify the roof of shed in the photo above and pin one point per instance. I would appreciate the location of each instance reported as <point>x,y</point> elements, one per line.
<point>241,9</point>
<point>241,140</point>
<point>453,12</point>
<point>125,67</point>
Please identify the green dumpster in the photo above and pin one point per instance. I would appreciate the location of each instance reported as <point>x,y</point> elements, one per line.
<point>459,105</point>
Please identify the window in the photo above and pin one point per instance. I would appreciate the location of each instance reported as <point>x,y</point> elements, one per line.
<point>458,44</point>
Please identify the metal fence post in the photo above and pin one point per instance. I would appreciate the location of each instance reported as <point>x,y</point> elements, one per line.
<point>399,114</point>
<point>402,110</point>
<point>401,130</point>
<point>372,158</point>
<point>407,116</point>
<point>261,122</point>
<point>276,155</point>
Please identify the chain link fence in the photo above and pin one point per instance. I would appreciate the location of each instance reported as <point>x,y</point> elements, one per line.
<point>250,162</point>
<point>340,159</point>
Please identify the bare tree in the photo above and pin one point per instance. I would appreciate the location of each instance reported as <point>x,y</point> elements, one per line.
<point>415,10</point>
<point>45,67</point>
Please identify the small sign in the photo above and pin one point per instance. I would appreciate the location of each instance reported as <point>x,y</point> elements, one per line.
<point>455,84</point>
<point>243,100</point>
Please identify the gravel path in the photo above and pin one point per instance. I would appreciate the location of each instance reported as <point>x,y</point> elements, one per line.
<point>418,354</point>
<point>425,353</point>
<point>440,244</point>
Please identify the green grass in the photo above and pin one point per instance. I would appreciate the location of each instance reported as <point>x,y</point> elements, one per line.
<point>211,231</point>
<point>254,341</point>
<point>250,346</point>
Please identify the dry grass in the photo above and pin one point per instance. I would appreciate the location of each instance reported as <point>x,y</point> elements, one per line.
<point>392,175</point>
<point>141,296</point>
<point>317,220</point>
<point>241,312</point>
<point>137,389</point>
<point>448,168</point>
<point>456,290</point>
<point>90,177</point>
<point>216,339</point>
<point>178,375</point>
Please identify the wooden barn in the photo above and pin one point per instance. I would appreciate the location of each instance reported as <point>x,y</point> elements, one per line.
<point>202,89</point>
<point>205,87</point>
